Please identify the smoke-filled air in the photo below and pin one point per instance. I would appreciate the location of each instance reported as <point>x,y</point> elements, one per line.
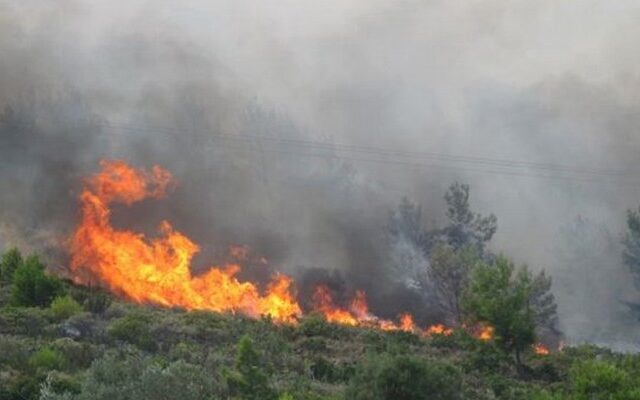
<point>376,163</point>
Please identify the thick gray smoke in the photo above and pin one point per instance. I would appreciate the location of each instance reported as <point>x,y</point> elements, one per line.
<point>235,98</point>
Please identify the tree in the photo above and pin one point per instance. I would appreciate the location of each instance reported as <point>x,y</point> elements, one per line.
<point>10,261</point>
<point>590,281</point>
<point>409,245</point>
<point>32,286</point>
<point>631,252</point>
<point>449,271</point>
<point>543,303</point>
<point>405,223</point>
<point>465,227</point>
<point>501,296</point>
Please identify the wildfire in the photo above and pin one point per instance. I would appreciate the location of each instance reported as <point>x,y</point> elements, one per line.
<point>541,349</point>
<point>158,270</point>
<point>485,332</point>
<point>357,314</point>
<point>438,329</point>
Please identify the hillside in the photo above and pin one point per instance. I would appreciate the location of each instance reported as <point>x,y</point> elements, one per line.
<point>92,346</point>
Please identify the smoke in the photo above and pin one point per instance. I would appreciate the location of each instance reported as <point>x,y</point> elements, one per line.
<point>233,98</point>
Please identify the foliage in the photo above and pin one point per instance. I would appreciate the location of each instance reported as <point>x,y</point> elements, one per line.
<point>631,251</point>
<point>466,228</point>
<point>32,287</point>
<point>64,307</point>
<point>405,377</point>
<point>602,380</point>
<point>119,350</point>
<point>449,270</point>
<point>134,329</point>
<point>10,261</point>
<point>632,241</point>
<point>500,295</point>
<point>47,358</point>
<point>129,375</point>
<point>543,302</point>
<point>97,302</point>
<point>249,379</point>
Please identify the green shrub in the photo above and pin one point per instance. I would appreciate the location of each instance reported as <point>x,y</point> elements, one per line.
<point>14,351</point>
<point>129,375</point>
<point>316,325</point>
<point>11,260</point>
<point>249,380</point>
<point>405,377</point>
<point>486,357</point>
<point>32,287</point>
<point>78,355</point>
<point>602,380</point>
<point>134,329</point>
<point>64,307</point>
<point>97,303</point>
<point>23,321</point>
<point>47,359</point>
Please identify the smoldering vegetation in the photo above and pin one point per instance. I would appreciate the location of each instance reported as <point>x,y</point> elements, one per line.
<point>296,128</point>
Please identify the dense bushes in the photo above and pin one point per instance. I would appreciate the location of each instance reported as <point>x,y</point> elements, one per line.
<point>130,375</point>
<point>405,377</point>
<point>134,329</point>
<point>32,287</point>
<point>83,347</point>
<point>593,379</point>
<point>64,307</point>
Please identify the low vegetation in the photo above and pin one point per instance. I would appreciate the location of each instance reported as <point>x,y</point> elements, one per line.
<point>59,341</point>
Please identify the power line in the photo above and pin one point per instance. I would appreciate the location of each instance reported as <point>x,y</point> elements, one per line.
<point>415,159</point>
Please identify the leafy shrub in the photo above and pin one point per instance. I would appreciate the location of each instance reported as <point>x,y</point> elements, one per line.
<point>14,351</point>
<point>134,329</point>
<point>22,321</point>
<point>32,287</point>
<point>10,261</point>
<point>64,307</point>
<point>78,355</point>
<point>602,380</point>
<point>249,380</point>
<point>314,344</point>
<point>405,377</point>
<point>129,375</point>
<point>47,359</point>
<point>97,303</point>
<point>485,357</point>
<point>316,325</point>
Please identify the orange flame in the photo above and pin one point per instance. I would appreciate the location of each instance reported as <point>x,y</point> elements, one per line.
<point>158,270</point>
<point>438,329</point>
<point>324,304</point>
<point>541,349</point>
<point>485,332</point>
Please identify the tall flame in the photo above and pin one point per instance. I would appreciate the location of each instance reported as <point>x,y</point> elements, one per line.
<point>158,270</point>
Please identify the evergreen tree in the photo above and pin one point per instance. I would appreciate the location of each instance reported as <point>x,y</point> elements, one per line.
<point>465,228</point>
<point>32,286</point>
<point>501,295</point>
<point>11,260</point>
<point>449,272</point>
